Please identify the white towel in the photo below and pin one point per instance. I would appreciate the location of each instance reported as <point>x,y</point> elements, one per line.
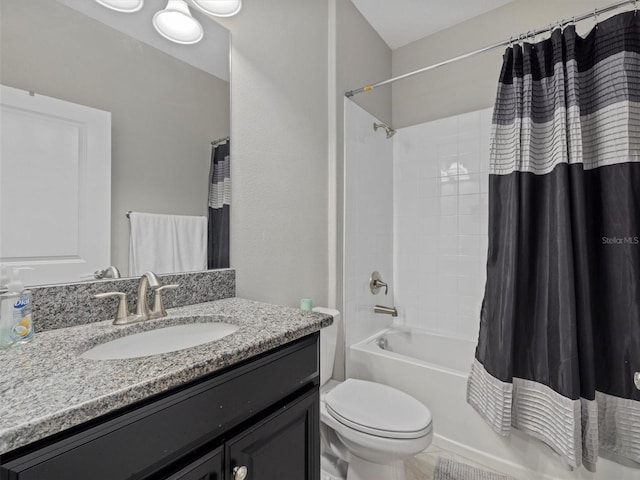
<point>167,243</point>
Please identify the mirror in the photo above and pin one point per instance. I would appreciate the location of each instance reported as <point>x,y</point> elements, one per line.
<point>168,102</point>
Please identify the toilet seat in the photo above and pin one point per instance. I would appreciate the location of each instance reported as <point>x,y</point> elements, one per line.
<point>378,410</point>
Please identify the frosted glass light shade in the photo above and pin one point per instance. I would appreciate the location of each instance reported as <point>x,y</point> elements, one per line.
<point>124,6</point>
<point>175,23</point>
<point>219,8</point>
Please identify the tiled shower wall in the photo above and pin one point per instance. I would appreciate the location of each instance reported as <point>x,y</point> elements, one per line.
<point>368,223</point>
<point>440,181</point>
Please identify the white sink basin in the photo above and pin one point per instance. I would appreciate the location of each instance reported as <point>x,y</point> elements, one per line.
<point>161,340</point>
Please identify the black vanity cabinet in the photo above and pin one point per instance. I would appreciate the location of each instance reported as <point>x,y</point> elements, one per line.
<point>209,467</point>
<point>257,420</point>
<point>278,448</point>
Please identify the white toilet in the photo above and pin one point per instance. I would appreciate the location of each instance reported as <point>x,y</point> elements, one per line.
<point>367,428</point>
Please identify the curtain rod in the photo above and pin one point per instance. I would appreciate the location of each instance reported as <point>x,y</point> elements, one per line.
<point>504,43</point>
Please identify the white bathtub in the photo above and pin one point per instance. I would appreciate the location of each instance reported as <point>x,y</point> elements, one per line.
<point>434,368</point>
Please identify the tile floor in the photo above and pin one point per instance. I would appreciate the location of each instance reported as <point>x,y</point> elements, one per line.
<point>423,465</point>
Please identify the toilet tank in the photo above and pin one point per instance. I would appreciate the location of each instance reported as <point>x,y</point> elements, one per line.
<point>328,344</point>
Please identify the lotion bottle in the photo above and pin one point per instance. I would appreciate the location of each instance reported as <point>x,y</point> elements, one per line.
<point>15,312</point>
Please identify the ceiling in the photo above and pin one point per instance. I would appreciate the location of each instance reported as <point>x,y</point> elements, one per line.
<point>210,55</point>
<point>400,22</point>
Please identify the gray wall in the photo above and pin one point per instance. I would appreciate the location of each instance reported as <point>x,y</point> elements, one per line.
<point>279,129</point>
<point>279,124</point>
<point>362,58</point>
<point>164,112</point>
<point>469,84</point>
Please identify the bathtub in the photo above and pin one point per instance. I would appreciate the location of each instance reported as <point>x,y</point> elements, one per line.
<point>433,368</point>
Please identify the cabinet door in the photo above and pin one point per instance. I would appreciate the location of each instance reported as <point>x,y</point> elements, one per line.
<point>207,467</point>
<point>284,446</point>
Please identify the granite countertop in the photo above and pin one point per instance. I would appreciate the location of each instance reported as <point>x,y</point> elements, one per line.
<point>46,387</point>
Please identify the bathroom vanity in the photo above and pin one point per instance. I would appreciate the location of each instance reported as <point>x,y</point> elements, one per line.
<point>245,406</point>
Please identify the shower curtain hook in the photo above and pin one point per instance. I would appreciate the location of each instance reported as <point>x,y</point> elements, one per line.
<point>595,17</point>
<point>635,7</point>
<point>531,36</point>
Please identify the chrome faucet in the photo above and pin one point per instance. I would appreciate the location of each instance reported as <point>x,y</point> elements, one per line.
<point>143,312</point>
<point>148,279</point>
<point>393,311</point>
<point>109,272</point>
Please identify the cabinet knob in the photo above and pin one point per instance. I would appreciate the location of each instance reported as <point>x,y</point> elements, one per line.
<point>240,473</point>
<point>636,380</point>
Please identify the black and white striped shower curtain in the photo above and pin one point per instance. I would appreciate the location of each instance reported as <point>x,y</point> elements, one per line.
<point>219,205</point>
<point>559,338</point>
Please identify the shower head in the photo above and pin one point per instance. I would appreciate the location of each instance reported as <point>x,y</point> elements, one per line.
<point>390,131</point>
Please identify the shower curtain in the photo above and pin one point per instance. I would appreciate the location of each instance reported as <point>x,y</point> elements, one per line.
<point>219,205</point>
<point>559,337</point>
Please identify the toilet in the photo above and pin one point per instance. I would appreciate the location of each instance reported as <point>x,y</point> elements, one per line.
<point>367,428</point>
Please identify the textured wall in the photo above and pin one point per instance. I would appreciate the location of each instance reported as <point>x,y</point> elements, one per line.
<point>279,129</point>
<point>470,84</point>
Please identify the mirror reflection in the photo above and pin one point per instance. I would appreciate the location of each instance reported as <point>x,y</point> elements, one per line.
<point>167,104</point>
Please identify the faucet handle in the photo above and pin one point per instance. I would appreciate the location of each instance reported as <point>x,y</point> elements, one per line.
<point>122,313</point>
<point>376,283</point>
<point>158,309</point>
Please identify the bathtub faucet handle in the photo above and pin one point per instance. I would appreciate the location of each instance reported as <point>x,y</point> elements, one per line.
<point>376,283</point>
<point>380,284</point>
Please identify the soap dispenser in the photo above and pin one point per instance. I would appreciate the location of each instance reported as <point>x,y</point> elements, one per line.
<point>4,278</point>
<point>15,311</point>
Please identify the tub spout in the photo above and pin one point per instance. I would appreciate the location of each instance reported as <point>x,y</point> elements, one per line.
<point>393,311</point>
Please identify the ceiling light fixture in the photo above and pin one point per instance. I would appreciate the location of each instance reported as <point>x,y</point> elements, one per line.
<point>175,23</point>
<point>124,6</point>
<point>219,8</point>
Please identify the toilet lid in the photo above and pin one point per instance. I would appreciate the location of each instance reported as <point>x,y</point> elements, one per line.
<point>378,410</point>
